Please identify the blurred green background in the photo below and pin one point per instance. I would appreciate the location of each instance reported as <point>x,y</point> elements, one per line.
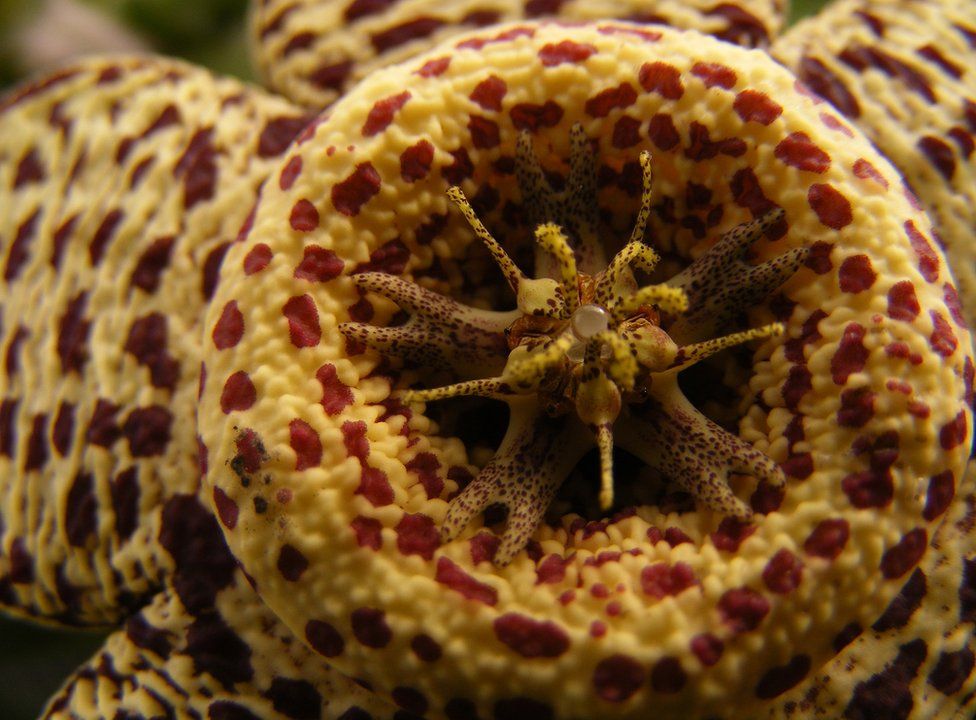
<point>34,661</point>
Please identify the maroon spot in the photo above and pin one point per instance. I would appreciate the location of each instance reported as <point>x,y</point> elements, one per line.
<point>198,166</point>
<point>152,263</point>
<point>551,570</point>
<point>304,217</point>
<point>331,76</point>
<point>125,493</point>
<point>229,328</point>
<point>103,430</point>
<point>303,321</point>
<point>351,194</point>
<point>531,117</point>
<point>626,132</point>
<point>324,638</point>
<point>460,168</point>
<point>354,438</point>
<point>416,29</point>
<point>661,78</point>
<point>211,269</point>
<point>305,441</point>
<point>702,147</point>
<point>483,547</point>
<point>755,106</point>
<point>869,488</point>
<point>531,638</point>
<point>426,648</point>
<point>928,261</point>
<point>416,160</point>
<point>238,393</point>
<point>566,51</point>
<point>417,535</point>
<point>939,154</point>
<point>375,487</point>
<point>943,339</point>
<point>942,488</point>
<point>391,257</point>
<point>742,609</point>
<point>799,381</point>
<point>291,563</point>
<point>434,68</point>
<point>667,676</point>
<point>903,606</point>
<point>484,132</point>
<point>103,234</point>
<point>37,451</point>
<point>381,114</point>
<point>783,572</point>
<point>336,396</point>
<point>748,193</point>
<point>831,207</point>
<point>707,648</point>
<point>227,509</point>
<point>8,411</point>
<point>963,140</point>
<point>426,465</point>
<point>490,92</point>
<point>715,74</point>
<point>902,301</point>
<point>290,173</point>
<point>603,102</point>
<point>856,407</point>
<point>851,355</point>
<point>905,554</point>
<point>370,628</point>
<point>826,84</point>
<point>301,41</point>
<point>779,679</point>
<point>951,670</point>
<point>953,433</point>
<point>865,170</point>
<point>147,342</point>
<point>81,510</point>
<point>21,563</point>
<point>887,694</point>
<point>798,150</point>
<point>64,428</point>
<point>148,430</point>
<point>318,265</point>
<point>453,576</point>
<point>278,134</point>
<point>410,700</point>
<point>362,8</point>
<point>257,259</point>
<point>951,298</point>
<point>29,169</point>
<point>661,579</point>
<point>368,532</point>
<point>59,241</point>
<point>617,678</point>
<point>662,132</point>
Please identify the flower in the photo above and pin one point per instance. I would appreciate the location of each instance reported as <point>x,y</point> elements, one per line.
<point>596,163</point>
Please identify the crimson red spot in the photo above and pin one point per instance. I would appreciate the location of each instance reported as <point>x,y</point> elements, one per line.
<point>250,450</point>
<point>742,609</point>
<point>370,627</point>
<point>662,132</point>
<point>324,638</point>
<point>667,676</point>
<point>869,488</point>
<point>856,407</point>
<point>731,533</point>
<point>865,170</point>
<point>450,574</point>
<point>198,167</point>
<point>434,68</point>
<point>531,638</point>
<point>336,396</point>
<point>304,217</point>
<point>416,160</point>
<point>531,117</point>
<point>368,532</point>
<point>257,259</point>
<point>928,260</point>
<point>943,339</point>
<point>318,265</point>
<point>381,114</point>
<point>783,572</point>
<point>942,488</point>
<point>661,579</point>
<point>779,679</point>
<point>851,355</point>
<point>551,570</point>
<point>602,103</point>
<point>951,298</point>
<point>707,648</point>
<point>953,433</point>
<point>799,151</point>
<point>799,381</point>
<point>490,92</point>
<point>755,106</point>
<point>715,74</point>
<point>290,173</point>
<point>902,301</point>
<point>417,535</point>
<point>617,678</point>
<point>661,78</point>
<point>227,509</point>
<point>831,207</point>
<point>349,196</point>
<point>305,441</point>
<point>238,393</point>
<point>566,51</point>
<point>905,554</point>
<point>426,465</point>
<point>626,132</point>
<point>375,487</point>
<point>303,321</point>
<point>484,132</point>
<point>229,328</point>
<point>292,564</point>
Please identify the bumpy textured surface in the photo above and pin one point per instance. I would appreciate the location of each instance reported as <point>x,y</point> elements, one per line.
<point>331,492</point>
<point>315,50</point>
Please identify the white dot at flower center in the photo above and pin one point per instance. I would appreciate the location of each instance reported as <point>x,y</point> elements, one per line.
<point>588,320</point>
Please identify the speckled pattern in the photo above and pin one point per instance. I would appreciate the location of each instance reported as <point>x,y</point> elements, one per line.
<point>145,348</point>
